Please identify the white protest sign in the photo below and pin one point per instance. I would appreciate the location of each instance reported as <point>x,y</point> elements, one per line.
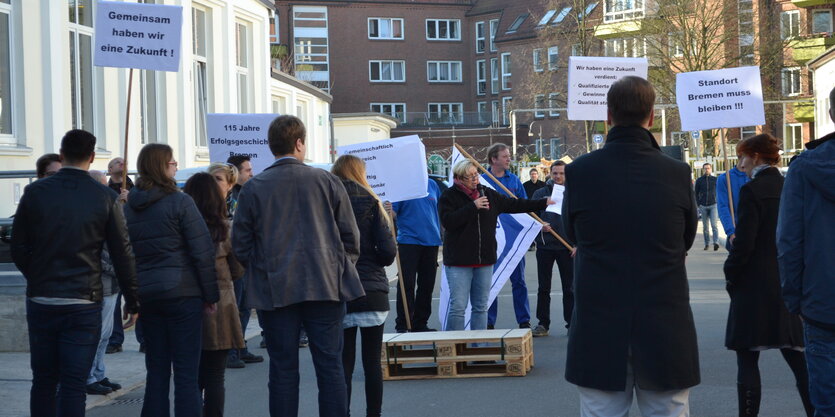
<point>135,35</point>
<point>240,134</point>
<point>395,168</point>
<point>723,98</point>
<point>556,196</point>
<point>589,79</point>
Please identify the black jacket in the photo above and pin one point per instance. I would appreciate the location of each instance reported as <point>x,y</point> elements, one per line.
<point>706,190</point>
<point>546,240</point>
<point>469,233</point>
<point>175,255</point>
<point>377,250</point>
<point>632,212</point>
<point>757,315</point>
<point>531,188</point>
<point>61,225</point>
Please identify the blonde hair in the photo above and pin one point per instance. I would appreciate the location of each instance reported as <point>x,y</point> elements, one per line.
<point>462,169</point>
<point>228,170</point>
<point>350,167</point>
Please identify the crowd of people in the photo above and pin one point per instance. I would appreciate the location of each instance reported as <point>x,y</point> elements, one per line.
<point>306,249</point>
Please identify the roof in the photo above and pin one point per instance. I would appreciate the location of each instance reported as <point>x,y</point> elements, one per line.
<point>270,4</point>
<point>534,11</point>
<point>295,82</point>
<point>822,59</point>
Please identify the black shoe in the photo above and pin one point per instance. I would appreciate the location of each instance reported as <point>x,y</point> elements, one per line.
<point>235,363</point>
<point>525,325</point>
<point>110,384</point>
<point>491,326</point>
<point>98,389</point>
<point>248,357</point>
<point>715,246</point>
<point>707,246</point>
<point>142,348</point>
<point>423,329</point>
<point>303,342</point>
<point>400,330</point>
<point>113,349</point>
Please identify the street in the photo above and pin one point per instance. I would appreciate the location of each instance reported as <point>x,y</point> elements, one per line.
<point>544,392</point>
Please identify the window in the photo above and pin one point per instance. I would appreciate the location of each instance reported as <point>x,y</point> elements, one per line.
<point>507,106</point>
<point>553,55</point>
<point>746,25</point>
<point>387,71</point>
<point>789,24</point>
<point>481,77</point>
<point>494,75</point>
<point>547,18</point>
<point>242,66</point>
<point>552,104</point>
<point>625,47</point>
<point>494,29</point>
<point>385,28</point>
<point>274,27</point>
<point>539,103</point>
<point>6,103</point>
<point>279,104</point>
<point>560,17</point>
<point>614,10</point>
<point>483,116</point>
<point>148,104</point>
<point>791,81</point>
<point>587,11</point>
<point>396,110</point>
<point>81,65</point>
<point>537,60</point>
<point>311,45</point>
<point>822,21</point>
<point>494,109</point>
<point>200,54</point>
<point>443,29</point>
<point>506,82</point>
<point>479,37</point>
<point>794,137</point>
<point>746,132</point>
<point>746,55</point>
<point>446,112</point>
<point>443,71</point>
<point>577,50</point>
<point>517,23</point>
<point>557,148</point>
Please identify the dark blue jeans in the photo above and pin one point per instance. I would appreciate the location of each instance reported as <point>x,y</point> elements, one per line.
<point>322,321</point>
<point>118,335</point>
<point>173,332</point>
<point>63,342</point>
<point>820,359</point>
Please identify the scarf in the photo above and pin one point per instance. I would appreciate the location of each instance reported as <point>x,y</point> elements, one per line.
<point>473,194</point>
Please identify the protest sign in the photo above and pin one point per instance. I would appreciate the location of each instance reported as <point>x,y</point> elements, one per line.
<point>720,98</point>
<point>589,79</point>
<point>135,35</point>
<point>556,196</point>
<point>240,134</point>
<point>395,168</point>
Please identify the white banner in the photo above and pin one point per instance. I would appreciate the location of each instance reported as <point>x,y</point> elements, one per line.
<point>240,134</point>
<point>395,168</point>
<point>589,79</point>
<point>136,35</point>
<point>514,235</point>
<point>723,98</point>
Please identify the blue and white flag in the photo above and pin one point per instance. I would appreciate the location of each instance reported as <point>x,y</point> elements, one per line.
<point>514,235</point>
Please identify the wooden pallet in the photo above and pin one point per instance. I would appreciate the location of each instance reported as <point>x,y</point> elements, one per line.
<point>453,354</point>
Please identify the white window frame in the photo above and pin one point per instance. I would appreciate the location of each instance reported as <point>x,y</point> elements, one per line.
<point>507,103</point>
<point>747,131</point>
<point>546,18</point>
<point>200,73</point>
<point>481,106</point>
<point>539,103</point>
<point>453,69</point>
<point>391,110</point>
<point>439,110</point>
<point>587,11</point>
<point>553,64</point>
<point>319,75</point>
<point>576,50</point>
<point>77,30</point>
<point>495,110</point>
<point>789,141</point>
<point>481,77</point>
<point>390,62</point>
<point>537,60</point>
<point>822,11</point>
<point>495,80</point>
<point>437,22</point>
<point>494,29</point>
<point>391,21</point>
<point>480,39</point>
<point>789,77</point>
<point>242,66</point>
<point>793,29</point>
<point>627,10</point>
<point>552,104</point>
<point>9,137</point>
<point>560,17</point>
<point>517,23</point>
<point>507,81</point>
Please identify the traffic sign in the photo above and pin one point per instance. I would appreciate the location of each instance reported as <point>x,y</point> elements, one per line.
<point>695,134</point>
<point>598,138</point>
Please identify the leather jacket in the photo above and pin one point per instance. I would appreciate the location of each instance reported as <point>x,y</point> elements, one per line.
<point>61,225</point>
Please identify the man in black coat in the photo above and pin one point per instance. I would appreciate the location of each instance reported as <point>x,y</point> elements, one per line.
<point>632,213</point>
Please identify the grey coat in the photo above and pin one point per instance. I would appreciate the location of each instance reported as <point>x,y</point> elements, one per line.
<point>295,233</point>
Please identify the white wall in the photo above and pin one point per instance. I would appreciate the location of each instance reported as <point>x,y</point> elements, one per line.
<point>824,83</point>
<point>314,113</point>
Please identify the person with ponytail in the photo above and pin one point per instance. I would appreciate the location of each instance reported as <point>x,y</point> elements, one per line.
<point>758,319</point>
<point>222,330</point>
<point>368,314</point>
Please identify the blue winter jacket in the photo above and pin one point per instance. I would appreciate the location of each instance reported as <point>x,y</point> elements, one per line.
<point>738,179</point>
<point>806,235</point>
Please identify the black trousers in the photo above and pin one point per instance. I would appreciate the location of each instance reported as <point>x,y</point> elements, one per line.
<point>748,371</point>
<point>372,345</point>
<point>545,259</point>
<point>211,381</point>
<point>420,264</point>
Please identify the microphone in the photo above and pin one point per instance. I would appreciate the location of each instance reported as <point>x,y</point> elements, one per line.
<point>481,194</point>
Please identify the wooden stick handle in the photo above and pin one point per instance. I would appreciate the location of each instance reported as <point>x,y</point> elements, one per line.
<point>127,128</point>
<point>403,299</point>
<point>473,160</point>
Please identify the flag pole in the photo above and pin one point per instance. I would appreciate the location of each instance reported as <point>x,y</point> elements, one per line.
<point>127,126</point>
<point>406,311</point>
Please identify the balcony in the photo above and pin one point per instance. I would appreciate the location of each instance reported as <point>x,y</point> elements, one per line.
<point>457,119</point>
<point>619,29</point>
<point>810,3</point>
<point>808,48</point>
<point>804,112</point>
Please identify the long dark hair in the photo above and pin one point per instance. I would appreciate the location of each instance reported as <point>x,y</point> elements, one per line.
<point>202,187</point>
<point>152,163</point>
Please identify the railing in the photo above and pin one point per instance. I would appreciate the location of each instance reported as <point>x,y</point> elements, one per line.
<point>415,119</point>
